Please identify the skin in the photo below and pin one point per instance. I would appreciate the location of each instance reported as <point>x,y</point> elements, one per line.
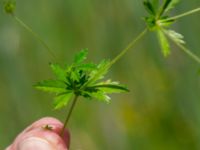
<point>43,134</point>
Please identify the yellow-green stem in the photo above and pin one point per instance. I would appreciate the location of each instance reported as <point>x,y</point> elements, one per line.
<point>114,60</point>
<point>186,50</point>
<point>35,35</point>
<point>184,14</point>
<point>130,45</point>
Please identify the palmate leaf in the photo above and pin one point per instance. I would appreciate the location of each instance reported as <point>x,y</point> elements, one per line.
<point>80,79</point>
<point>163,43</point>
<point>62,99</point>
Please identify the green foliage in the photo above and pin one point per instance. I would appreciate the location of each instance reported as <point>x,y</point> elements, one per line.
<point>9,6</point>
<point>80,79</point>
<point>158,20</point>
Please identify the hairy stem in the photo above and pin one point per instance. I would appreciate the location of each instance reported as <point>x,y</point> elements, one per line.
<point>186,50</point>
<point>69,114</point>
<point>129,46</point>
<point>35,35</point>
<point>184,14</point>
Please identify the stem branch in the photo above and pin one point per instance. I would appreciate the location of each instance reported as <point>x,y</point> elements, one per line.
<point>34,34</point>
<point>186,50</point>
<point>184,14</point>
<point>69,114</point>
<point>130,45</point>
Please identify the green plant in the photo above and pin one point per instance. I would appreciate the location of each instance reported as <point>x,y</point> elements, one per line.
<point>85,79</point>
<point>159,21</point>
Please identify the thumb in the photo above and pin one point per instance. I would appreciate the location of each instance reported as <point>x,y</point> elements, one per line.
<point>42,135</point>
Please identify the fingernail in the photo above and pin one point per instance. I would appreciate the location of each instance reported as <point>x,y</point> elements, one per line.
<point>34,143</point>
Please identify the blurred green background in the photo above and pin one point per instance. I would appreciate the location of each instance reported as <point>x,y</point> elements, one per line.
<point>162,111</point>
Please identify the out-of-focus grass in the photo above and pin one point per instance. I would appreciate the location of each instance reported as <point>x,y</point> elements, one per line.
<point>162,109</point>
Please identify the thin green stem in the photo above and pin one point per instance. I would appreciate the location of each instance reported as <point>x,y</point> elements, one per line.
<point>35,35</point>
<point>186,50</point>
<point>69,114</point>
<point>130,45</point>
<point>184,14</point>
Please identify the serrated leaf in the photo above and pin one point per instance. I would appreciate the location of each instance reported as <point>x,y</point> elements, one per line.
<point>58,71</point>
<point>163,43</point>
<point>53,86</point>
<point>62,100</point>
<point>177,37</point>
<point>81,56</point>
<point>148,6</point>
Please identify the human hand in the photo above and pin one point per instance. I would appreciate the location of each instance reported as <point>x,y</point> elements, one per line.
<point>43,134</point>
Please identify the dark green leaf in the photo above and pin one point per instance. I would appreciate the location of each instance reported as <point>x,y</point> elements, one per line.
<point>164,6</point>
<point>81,56</point>
<point>148,6</point>
<point>111,88</point>
<point>62,100</point>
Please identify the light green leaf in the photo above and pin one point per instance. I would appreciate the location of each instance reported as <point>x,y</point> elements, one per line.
<point>62,100</point>
<point>58,71</point>
<point>87,66</point>
<point>100,95</point>
<point>101,70</point>
<point>75,75</point>
<point>163,43</point>
<point>81,56</point>
<point>177,37</point>
<point>51,86</point>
